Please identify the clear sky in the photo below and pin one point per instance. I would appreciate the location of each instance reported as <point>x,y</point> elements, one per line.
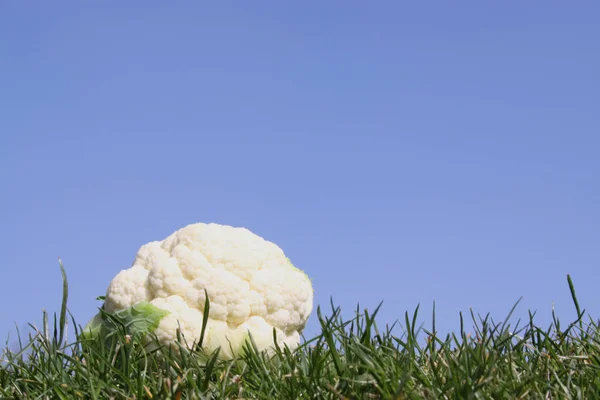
<point>398,151</point>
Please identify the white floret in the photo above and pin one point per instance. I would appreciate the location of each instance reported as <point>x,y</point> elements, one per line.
<point>129,287</point>
<point>251,285</point>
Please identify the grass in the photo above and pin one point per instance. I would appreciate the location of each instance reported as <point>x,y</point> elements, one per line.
<point>349,359</point>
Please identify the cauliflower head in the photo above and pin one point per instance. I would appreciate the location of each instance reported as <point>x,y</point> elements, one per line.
<point>251,285</point>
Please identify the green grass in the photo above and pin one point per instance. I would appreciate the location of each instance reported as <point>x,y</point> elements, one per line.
<point>349,359</point>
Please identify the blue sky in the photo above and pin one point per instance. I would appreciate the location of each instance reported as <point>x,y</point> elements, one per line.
<point>398,152</point>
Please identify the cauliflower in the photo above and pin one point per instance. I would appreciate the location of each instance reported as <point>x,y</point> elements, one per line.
<point>251,286</point>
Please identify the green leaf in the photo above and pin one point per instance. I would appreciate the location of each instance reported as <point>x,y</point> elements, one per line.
<point>139,319</point>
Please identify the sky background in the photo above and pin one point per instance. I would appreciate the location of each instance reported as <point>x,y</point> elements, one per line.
<point>404,152</point>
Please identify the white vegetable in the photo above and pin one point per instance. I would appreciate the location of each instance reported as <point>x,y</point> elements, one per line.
<point>252,287</point>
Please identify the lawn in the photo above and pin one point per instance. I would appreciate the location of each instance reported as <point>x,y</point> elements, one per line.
<point>349,359</point>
